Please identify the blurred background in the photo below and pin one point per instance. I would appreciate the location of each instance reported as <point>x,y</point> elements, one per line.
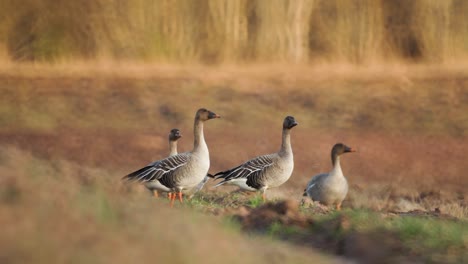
<point>90,90</point>
<point>239,31</point>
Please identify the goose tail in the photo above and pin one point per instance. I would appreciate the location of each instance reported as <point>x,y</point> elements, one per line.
<point>138,175</point>
<point>220,183</point>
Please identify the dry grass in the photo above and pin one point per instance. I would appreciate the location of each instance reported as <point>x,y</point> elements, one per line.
<point>234,31</point>
<point>80,128</point>
<point>58,212</point>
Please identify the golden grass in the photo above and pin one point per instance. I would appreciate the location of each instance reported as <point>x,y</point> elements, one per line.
<point>54,211</point>
<point>81,127</point>
<point>300,31</point>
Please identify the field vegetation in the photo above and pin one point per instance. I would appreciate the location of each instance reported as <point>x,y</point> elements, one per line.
<point>228,31</point>
<point>90,90</point>
<point>70,133</point>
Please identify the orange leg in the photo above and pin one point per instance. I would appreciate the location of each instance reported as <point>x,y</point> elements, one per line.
<point>169,196</point>
<point>338,207</point>
<point>155,193</point>
<point>263,197</point>
<point>180,197</point>
<point>173,197</point>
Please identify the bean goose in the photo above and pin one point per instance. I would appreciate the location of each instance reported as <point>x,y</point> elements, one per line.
<point>185,170</point>
<point>197,188</point>
<point>174,135</point>
<point>264,172</point>
<point>330,188</point>
<point>156,186</point>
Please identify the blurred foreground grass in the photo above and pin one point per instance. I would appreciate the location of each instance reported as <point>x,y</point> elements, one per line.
<point>416,237</point>
<point>69,134</point>
<point>58,212</point>
<point>367,236</point>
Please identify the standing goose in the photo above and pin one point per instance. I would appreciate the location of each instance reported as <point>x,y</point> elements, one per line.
<point>182,171</point>
<point>264,172</point>
<point>174,135</point>
<point>156,186</point>
<point>197,188</point>
<point>330,188</point>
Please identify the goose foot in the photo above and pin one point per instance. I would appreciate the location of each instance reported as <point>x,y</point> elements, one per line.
<point>338,207</point>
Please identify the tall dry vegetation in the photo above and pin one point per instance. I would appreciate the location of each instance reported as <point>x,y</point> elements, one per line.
<point>215,31</point>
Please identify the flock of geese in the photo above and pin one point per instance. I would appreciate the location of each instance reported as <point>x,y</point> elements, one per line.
<point>186,173</point>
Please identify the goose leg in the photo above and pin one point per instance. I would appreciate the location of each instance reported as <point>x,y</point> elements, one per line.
<point>180,197</point>
<point>263,194</point>
<point>169,196</point>
<point>338,207</point>
<point>173,196</point>
<point>155,193</point>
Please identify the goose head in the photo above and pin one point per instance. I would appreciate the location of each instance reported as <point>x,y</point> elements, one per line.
<point>338,149</point>
<point>174,135</point>
<point>204,115</point>
<point>289,122</point>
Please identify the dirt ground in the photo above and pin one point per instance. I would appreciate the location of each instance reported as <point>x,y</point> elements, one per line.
<point>410,132</point>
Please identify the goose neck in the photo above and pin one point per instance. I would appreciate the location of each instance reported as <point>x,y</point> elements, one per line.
<point>336,165</point>
<point>199,139</point>
<point>172,148</point>
<point>286,148</point>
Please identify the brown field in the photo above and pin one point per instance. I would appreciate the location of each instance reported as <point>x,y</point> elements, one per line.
<point>90,89</point>
<point>68,130</point>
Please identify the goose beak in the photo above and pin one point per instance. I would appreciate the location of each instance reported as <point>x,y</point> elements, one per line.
<point>348,149</point>
<point>212,115</point>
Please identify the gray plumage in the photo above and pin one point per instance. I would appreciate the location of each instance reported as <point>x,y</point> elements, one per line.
<point>264,172</point>
<point>182,171</point>
<point>330,188</point>
<point>141,174</point>
<point>200,186</point>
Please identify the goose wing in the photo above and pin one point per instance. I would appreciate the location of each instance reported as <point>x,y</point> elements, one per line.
<point>315,183</point>
<point>161,170</point>
<point>253,171</point>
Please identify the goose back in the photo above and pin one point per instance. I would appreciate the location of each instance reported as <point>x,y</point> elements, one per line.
<point>330,188</point>
<point>265,171</point>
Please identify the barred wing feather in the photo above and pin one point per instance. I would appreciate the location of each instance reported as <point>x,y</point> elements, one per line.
<point>252,170</point>
<point>159,169</point>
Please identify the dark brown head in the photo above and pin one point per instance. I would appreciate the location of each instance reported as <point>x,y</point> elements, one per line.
<point>338,149</point>
<point>289,122</point>
<point>204,115</point>
<point>174,135</point>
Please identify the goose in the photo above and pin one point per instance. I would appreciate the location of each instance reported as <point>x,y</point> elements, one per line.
<point>197,188</point>
<point>183,171</point>
<point>330,188</point>
<point>174,135</point>
<point>155,186</point>
<point>264,172</point>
